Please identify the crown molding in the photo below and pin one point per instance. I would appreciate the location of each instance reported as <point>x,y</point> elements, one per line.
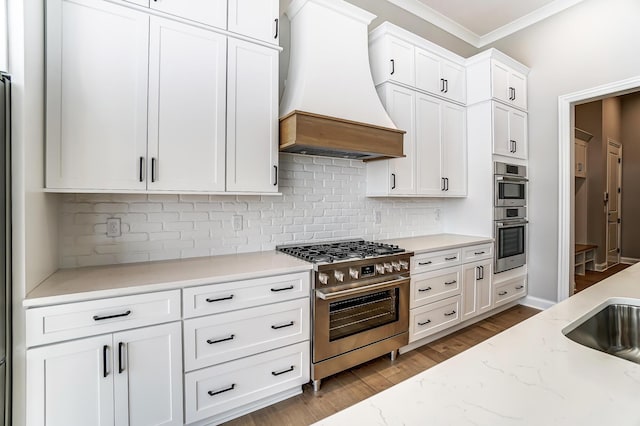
<point>436,18</point>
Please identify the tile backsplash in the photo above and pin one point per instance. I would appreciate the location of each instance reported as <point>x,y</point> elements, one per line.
<point>322,199</point>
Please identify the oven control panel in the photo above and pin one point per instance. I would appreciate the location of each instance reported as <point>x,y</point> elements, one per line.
<point>354,271</point>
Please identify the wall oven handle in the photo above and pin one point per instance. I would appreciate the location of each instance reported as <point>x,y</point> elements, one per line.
<point>512,224</point>
<point>357,290</point>
<point>511,179</point>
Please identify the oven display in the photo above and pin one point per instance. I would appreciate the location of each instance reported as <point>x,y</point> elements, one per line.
<point>367,271</point>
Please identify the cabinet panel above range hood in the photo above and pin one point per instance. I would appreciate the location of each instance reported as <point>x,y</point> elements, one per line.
<point>330,106</point>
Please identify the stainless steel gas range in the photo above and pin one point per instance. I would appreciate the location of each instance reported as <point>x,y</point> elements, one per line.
<point>359,302</point>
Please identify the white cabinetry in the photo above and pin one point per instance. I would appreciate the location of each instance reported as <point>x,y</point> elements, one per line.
<point>509,131</point>
<point>581,158</point>
<point>125,377</point>
<point>494,75</point>
<point>508,85</point>
<point>477,297</point>
<point>258,19</point>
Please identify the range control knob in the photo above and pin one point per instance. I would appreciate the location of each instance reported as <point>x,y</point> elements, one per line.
<point>339,275</point>
<point>396,266</point>
<point>404,264</point>
<point>323,278</point>
<point>354,273</point>
<point>380,269</point>
<point>388,267</point>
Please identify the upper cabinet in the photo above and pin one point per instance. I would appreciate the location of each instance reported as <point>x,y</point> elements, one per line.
<point>158,105</point>
<point>494,75</point>
<point>399,56</point>
<point>258,19</point>
<point>509,131</point>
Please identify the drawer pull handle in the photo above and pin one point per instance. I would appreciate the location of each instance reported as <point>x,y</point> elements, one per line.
<point>276,327</point>
<point>424,289</point>
<point>478,252</point>
<point>520,287</point>
<point>213,393</point>
<point>448,314</point>
<point>425,263</point>
<point>211,341</point>
<point>451,258</point>
<point>502,293</point>
<point>99,318</point>
<point>219,299</point>
<point>450,282</point>
<point>282,289</point>
<point>424,323</point>
<point>277,373</point>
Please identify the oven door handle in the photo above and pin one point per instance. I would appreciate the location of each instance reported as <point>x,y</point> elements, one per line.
<point>351,291</point>
<point>511,179</point>
<point>511,224</point>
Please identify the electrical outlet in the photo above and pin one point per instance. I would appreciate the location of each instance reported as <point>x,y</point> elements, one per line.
<point>378,217</point>
<point>437,214</point>
<point>113,227</point>
<point>237,222</point>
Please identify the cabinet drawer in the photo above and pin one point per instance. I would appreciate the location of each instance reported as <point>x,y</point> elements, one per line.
<point>219,338</point>
<point>217,298</point>
<point>510,290</point>
<point>215,390</point>
<point>433,286</point>
<point>73,320</point>
<point>477,252</point>
<point>430,319</point>
<point>426,262</point>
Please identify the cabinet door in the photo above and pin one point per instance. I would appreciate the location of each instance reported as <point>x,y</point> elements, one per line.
<point>71,384</point>
<point>186,108</point>
<point>501,143</point>
<point>500,81</point>
<point>455,81</point>
<point>147,366</point>
<point>255,18</point>
<point>476,288</point>
<point>518,83</point>
<point>400,104</point>
<point>210,12</point>
<point>518,133</point>
<point>252,118</point>
<point>97,64</point>
<point>401,61</point>
<point>454,149</point>
<point>428,72</point>
<point>428,146</point>
<point>581,158</point>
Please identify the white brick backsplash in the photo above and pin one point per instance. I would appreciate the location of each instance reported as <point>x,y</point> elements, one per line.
<point>322,199</point>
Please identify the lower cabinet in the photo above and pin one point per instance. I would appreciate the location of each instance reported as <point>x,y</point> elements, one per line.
<point>131,377</point>
<point>477,297</point>
<point>510,290</point>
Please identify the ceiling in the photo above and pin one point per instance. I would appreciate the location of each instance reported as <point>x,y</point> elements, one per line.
<point>481,22</point>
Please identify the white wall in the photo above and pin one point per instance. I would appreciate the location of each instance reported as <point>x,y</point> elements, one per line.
<point>587,45</point>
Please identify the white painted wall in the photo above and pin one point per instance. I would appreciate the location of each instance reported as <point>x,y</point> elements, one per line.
<point>590,44</point>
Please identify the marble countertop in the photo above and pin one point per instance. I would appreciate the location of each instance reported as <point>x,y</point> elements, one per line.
<point>72,285</point>
<point>436,242</point>
<point>530,374</point>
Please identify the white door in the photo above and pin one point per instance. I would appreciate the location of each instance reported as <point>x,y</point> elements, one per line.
<point>401,62</point>
<point>500,81</point>
<point>518,133</point>
<point>400,105</point>
<point>428,72</point>
<point>97,64</point>
<point>252,118</point>
<point>454,149</point>
<point>210,12</point>
<point>484,286</point>
<point>187,77</point>
<point>614,191</point>
<point>455,81</point>
<point>518,84</point>
<point>502,145</point>
<point>147,364</point>
<point>476,288</point>
<point>71,384</point>
<point>430,180</point>
<point>255,18</point>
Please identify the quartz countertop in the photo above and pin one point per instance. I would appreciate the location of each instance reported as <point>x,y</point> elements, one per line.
<point>530,374</point>
<point>72,285</point>
<point>436,242</point>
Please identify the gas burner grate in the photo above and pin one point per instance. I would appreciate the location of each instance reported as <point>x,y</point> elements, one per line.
<point>339,250</point>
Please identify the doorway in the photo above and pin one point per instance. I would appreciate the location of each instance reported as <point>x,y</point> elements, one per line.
<point>613,200</point>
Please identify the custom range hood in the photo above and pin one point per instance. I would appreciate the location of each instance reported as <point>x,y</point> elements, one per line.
<point>330,106</point>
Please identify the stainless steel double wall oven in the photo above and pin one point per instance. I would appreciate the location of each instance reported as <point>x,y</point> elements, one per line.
<point>510,216</point>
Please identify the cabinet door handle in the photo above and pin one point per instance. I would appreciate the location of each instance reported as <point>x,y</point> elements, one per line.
<point>393,67</point>
<point>226,339</point>
<point>277,327</point>
<point>425,263</point>
<point>120,360</point>
<point>105,371</point>
<point>446,86</point>
<point>153,169</point>
<point>425,322</point>
<point>424,289</point>
<point>277,373</point>
<point>451,258</point>
<point>212,393</point>
<point>393,180</point>
<point>450,282</point>
<point>447,181</point>
<point>277,24</point>
<point>477,272</point>
<point>275,175</point>
<point>442,84</point>
<point>99,318</point>
<point>219,299</point>
<point>520,287</point>
<point>448,314</point>
<point>141,168</point>
<point>282,289</point>
<point>512,145</point>
<point>443,185</point>
<point>481,272</point>
<point>502,293</point>
<point>515,146</point>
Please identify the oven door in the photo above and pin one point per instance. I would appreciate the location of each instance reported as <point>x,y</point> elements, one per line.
<point>349,319</point>
<point>510,192</point>
<point>510,237</point>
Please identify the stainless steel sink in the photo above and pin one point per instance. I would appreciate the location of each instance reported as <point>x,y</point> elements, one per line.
<point>614,329</point>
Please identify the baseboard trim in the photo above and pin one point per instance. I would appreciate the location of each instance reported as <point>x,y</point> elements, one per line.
<point>536,302</point>
<point>629,260</point>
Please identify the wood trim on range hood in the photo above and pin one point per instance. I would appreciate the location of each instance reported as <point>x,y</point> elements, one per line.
<point>314,134</point>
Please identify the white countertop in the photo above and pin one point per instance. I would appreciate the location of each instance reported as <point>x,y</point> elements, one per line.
<point>436,242</point>
<point>71,285</point>
<point>530,374</point>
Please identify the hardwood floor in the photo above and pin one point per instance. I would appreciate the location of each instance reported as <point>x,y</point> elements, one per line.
<point>349,387</point>
<point>592,277</point>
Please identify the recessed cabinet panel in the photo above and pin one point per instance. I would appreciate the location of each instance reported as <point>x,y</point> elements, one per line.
<point>401,65</point>
<point>96,106</point>
<point>210,12</point>
<point>428,72</point>
<point>428,146</point>
<point>454,149</point>
<point>186,108</point>
<point>509,131</point>
<point>255,18</point>
<point>401,108</point>
<point>455,81</point>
